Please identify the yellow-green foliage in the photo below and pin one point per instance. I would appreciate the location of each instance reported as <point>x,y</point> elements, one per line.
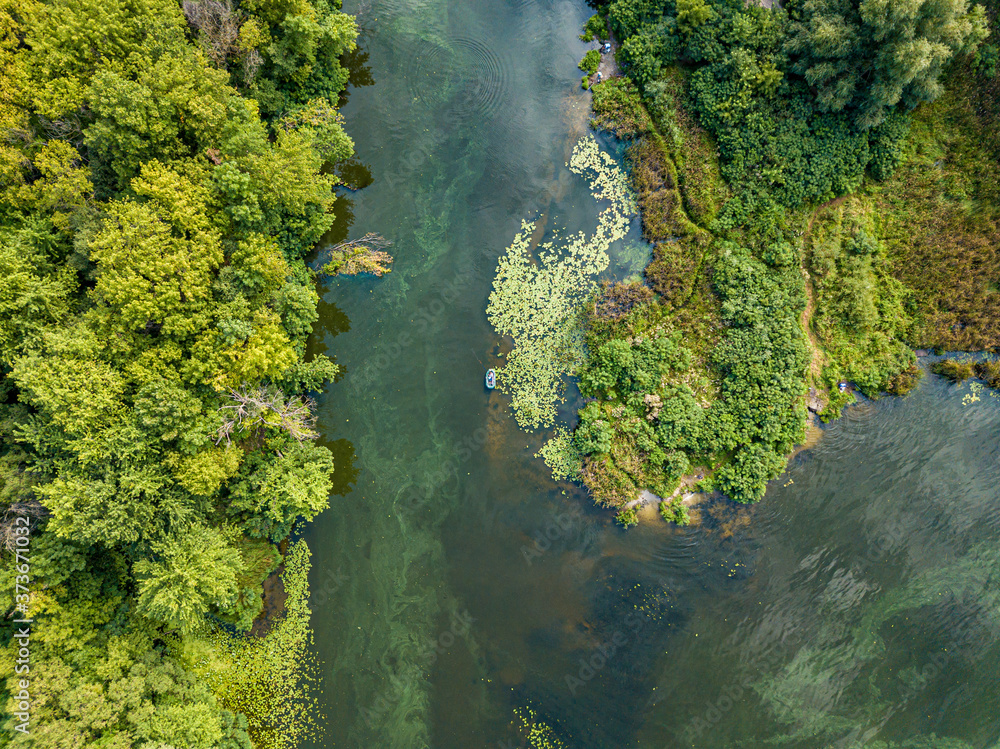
<point>561,455</point>
<point>618,109</point>
<point>260,559</point>
<point>940,221</point>
<point>538,303</point>
<point>271,680</point>
<point>692,149</point>
<point>590,62</point>
<point>860,317</point>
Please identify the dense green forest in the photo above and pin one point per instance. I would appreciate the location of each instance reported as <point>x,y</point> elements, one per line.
<point>163,175</point>
<point>818,182</point>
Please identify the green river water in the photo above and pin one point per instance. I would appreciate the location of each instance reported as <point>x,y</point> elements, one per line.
<point>453,581</point>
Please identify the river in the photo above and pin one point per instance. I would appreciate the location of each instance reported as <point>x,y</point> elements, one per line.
<point>454,582</point>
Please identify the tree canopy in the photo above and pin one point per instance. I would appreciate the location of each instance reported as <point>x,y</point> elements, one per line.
<point>162,177</point>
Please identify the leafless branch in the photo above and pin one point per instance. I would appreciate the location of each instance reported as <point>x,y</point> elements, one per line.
<point>370,241</point>
<point>364,255</point>
<point>219,25</point>
<point>30,508</point>
<point>258,408</point>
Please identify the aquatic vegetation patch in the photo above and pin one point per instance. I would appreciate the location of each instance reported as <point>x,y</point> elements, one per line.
<point>562,456</point>
<point>538,300</point>
<point>271,680</point>
<point>534,733</point>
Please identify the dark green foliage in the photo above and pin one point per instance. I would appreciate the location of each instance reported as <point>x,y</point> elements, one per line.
<point>886,144</point>
<point>590,62</point>
<point>863,243</point>
<point>618,108</point>
<point>777,142</point>
<point>745,477</point>
<point>645,53</point>
<point>762,360</point>
<point>860,54</point>
<point>795,106</point>
<point>595,28</point>
<point>986,60</point>
<point>621,369</point>
<point>594,433</point>
<point>648,425</point>
<point>627,518</point>
<point>260,559</point>
<point>781,254</point>
<point>905,381</point>
<point>674,511</point>
<point>300,47</point>
<point>956,371</point>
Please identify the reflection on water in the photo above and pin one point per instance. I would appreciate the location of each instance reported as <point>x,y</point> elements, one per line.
<point>854,604</point>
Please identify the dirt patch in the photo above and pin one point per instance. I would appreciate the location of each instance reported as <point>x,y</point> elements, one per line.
<point>609,64</point>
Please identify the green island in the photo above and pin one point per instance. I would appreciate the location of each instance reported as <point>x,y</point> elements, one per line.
<point>817,182</point>
<point>164,173</point>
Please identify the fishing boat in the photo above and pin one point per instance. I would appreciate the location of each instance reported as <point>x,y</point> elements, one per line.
<point>491,379</point>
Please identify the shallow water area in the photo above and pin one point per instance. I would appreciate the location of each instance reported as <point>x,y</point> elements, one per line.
<point>453,581</point>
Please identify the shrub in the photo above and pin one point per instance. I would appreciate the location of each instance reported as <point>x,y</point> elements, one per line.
<point>903,382</point>
<point>617,300</point>
<point>886,143</point>
<point>618,109</point>
<point>781,254</point>
<point>986,60</point>
<point>863,243</point>
<point>953,370</point>
<point>590,62</point>
<point>989,371</point>
<point>595,28</point>
<point>593,437</point>
<point>674,511</point>
<point>627,517</point>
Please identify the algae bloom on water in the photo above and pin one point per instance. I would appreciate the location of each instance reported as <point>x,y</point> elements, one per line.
<point>537,300</point>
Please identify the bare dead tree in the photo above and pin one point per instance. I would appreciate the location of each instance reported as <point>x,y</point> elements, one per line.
<point>257,408</point>
<point>219,25</point>
<point>370,241</point>
<point>364,255</point>
<point>252,61</point>
<point>29,508</point>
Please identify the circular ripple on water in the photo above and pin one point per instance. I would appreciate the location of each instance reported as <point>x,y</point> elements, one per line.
<point>853,428</point>
<point>474,74</point>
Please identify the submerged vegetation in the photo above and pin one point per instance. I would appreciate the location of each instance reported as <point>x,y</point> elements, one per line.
<point>819,200</point>
<point>161,181</point>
